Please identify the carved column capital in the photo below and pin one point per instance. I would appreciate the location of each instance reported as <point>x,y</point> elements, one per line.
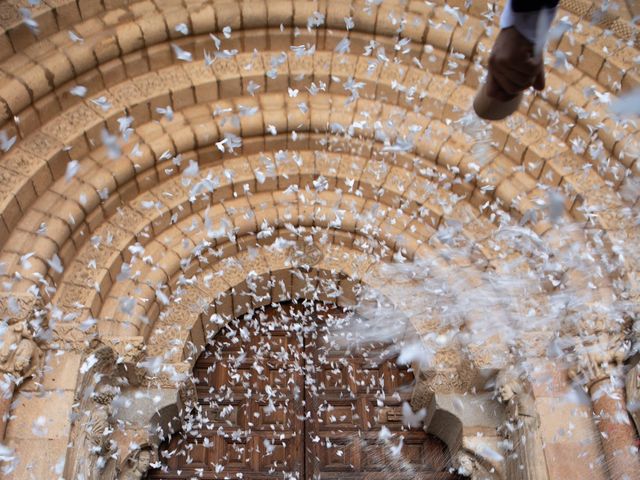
<point>525,459</point>
<point>598,357</point>
<point>129,351</point>
<point>21,320</point>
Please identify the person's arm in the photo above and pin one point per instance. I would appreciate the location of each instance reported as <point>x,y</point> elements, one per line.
<point>529,18</point>
<point>516,61</point>
<point>531,6</point>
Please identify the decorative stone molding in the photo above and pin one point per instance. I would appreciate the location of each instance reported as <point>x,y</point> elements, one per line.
<point>525,460</point>
<point>451,372</point>
<point>17,307</point>
<point>92,452</point>
<point>305,254</point>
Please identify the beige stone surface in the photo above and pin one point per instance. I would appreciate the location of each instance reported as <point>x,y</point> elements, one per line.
<point>282,152</point>
<point>41,416</point>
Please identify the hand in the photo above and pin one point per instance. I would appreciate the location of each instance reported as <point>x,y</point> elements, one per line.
<point>513,67</point>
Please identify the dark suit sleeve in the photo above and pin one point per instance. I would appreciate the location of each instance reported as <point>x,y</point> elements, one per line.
<point>532,5</point>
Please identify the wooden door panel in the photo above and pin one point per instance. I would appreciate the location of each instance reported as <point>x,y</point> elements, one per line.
<point>233,414</point>
<point>233,454</point>
<point>275,403</point>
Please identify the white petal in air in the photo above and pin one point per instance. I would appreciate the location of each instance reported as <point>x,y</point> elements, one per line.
<point>410,418</point>
<point>78,91</point>
<point>181,54</point>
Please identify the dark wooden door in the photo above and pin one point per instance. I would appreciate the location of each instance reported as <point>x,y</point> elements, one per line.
<point>279,399</point>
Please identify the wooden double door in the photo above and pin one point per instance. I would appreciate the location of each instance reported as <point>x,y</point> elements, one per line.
<point>280,398</point>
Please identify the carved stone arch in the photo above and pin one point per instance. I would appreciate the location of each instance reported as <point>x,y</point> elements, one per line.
<point>348,268</point>
<point>154,405</point>
<point>164,414</point>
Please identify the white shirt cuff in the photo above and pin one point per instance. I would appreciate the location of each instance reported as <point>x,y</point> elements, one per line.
<point>534,26</point>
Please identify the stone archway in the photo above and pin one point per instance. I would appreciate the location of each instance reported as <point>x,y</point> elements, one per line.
<point>279,396</point>
<point>396,162</point>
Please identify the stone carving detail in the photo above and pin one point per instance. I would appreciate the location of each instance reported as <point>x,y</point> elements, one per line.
<point>467,464</point>
<point>129,352</point>
<point>298,64</point>
<point>71,123</point>
<point>198,71</point>
<point>125,93</point>
<point>599,357</point>
<point>22,162</point>
<point>453,374</point>
<point>223,67</point>
<point>20,354</point>
<point>137,464</point>
<point>392,72</point>
<point>151,84</point>
<point>99,462</point>
<point>322,62</point>
<point>40,144</point>
<point>249,63</point>
<point>93,399</point>
<point>8,180</point>
<point>9,15</point>
<point>175,77</point>
<point>306,255</point>
<point>525,460</point>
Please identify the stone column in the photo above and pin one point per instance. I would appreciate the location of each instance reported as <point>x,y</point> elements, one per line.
<point>6,395</point>
<point>619,440</point>
<point>525,459</point>
<point>633,394</point>
<point>598,368</point>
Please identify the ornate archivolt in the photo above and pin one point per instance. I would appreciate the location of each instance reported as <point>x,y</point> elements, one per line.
<point>341,160</point>
<point>181,333</point>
